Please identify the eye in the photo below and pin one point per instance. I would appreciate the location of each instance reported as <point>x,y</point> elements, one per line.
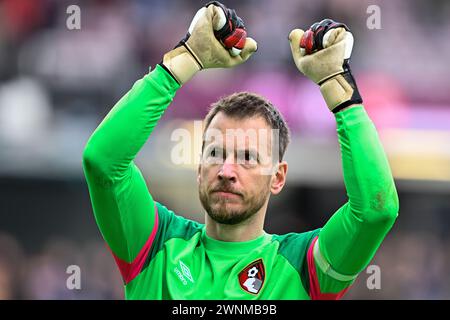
<point>216,152</point>
<point>249,157</point>
<point>213,153</point>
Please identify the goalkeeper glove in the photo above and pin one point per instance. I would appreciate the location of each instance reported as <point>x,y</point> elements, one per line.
<point>216,38</point>
<point>322,54</point>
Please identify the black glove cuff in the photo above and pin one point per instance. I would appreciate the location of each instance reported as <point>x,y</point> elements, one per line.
<point>356,96</point>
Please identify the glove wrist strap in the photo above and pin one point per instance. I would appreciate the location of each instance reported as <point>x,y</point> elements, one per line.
<point>182,64</point>
<point>340,91</point>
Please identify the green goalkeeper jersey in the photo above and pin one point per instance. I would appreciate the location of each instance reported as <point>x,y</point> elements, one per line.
<point>162,255</point>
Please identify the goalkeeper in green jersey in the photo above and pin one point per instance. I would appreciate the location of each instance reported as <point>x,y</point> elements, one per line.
<point>162,255</point>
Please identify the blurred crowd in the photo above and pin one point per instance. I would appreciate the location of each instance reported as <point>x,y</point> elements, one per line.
<point>45,274</point>
<point>74,76</point>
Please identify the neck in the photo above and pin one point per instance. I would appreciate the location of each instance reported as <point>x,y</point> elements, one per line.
<point>247,230</point>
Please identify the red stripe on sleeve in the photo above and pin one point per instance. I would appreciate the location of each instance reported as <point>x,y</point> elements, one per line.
<point>314,286</point>
<point>130,270</point>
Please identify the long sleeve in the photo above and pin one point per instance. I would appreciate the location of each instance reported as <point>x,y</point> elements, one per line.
<point>123,207</point>
<point>349,240</point>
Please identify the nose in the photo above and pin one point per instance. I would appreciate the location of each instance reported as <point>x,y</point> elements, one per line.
<point>227,171</point>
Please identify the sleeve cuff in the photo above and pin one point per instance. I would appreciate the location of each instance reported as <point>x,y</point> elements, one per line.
<point>351,116</point>
<point>326,268</point>
<point>163,80</point>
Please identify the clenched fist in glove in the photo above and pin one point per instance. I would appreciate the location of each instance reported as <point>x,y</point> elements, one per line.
<point>322,54</point>
<point>216,38</point>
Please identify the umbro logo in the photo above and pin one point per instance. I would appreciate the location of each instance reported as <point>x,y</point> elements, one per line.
<point>184,274</point>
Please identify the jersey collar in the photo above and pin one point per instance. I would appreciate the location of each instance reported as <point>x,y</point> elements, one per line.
<point>233,248</point>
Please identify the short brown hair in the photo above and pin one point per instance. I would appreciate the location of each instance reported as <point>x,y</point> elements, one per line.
<point>243,105</point>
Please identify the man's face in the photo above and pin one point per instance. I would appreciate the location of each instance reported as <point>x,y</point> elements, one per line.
<point>236,169</point>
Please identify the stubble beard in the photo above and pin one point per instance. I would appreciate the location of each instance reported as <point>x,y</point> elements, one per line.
<point>222,211</point>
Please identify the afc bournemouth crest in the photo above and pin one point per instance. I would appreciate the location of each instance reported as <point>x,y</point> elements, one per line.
<point>252,277</point>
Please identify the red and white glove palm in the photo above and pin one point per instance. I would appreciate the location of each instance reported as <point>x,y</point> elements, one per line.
<point>216,38</point>
<point>322,53</point>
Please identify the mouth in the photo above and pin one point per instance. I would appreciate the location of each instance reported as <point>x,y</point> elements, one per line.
<point>226,194</point>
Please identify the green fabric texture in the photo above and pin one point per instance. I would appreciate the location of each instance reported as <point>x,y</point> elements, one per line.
<point>122,205</point>
<point>290,246</point>
<point>357,229</point>
<point>125,213</point>
<point>214,265</point>
<point>349,240</point>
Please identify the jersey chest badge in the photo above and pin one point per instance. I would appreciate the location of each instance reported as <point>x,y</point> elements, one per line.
<point>252,277</point>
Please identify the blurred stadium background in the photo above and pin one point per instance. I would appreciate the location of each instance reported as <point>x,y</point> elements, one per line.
<point>57,84</point>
